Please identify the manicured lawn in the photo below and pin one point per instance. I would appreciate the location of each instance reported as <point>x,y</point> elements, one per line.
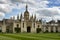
<point>30,36</point>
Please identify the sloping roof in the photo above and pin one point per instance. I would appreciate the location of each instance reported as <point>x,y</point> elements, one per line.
<point>58,21</point>
<point>8,20</point>
<point>52,21</point>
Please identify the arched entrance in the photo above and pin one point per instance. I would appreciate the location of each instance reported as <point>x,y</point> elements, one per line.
<point>28,29</point>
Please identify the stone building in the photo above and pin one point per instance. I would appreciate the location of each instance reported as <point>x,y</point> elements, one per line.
<point>27,24</point>
<point>51,26</point>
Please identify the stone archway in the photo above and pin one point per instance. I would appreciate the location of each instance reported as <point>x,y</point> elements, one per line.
<point>28,29</point>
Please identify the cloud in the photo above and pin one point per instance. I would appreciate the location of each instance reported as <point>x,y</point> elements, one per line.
<point>5,8</point>
<point>1,15</point>
<point>3,1</point>
<point>38,7</point>
<point>47,12</point>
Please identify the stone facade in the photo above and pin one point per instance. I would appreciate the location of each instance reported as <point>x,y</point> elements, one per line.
<point>27,24</point>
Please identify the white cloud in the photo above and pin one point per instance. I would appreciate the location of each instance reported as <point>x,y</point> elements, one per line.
<point>38,7</point>
<point>5,8</point>
<point>3,1</point>
<point>2,15</point>
<point>43,3</point>
<point>46,13</point>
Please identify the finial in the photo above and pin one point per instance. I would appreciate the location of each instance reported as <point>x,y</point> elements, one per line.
<point>35,15</point>
<point>26,6</point>
<point>21,16</point>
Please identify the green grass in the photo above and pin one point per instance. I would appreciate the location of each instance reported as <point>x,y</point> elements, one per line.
<point>30,36</point>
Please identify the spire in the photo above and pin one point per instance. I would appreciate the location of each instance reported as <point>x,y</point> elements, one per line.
<point>31,17</point>
<point>13,17</point>
<point>35,17</point>
<point>21,16</point>
<point>18,17</point>
<point>26,7</point>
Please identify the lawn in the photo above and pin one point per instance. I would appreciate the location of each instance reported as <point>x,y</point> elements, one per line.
<point>30,36</point>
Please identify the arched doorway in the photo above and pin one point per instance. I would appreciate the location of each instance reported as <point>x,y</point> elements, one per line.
<point>28,29</point>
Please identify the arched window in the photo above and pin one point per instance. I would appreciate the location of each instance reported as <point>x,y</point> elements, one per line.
<point>17,29</point>
<point>34,25</point>
<point>38,26</point>
<point>17,25</point>
<point>23,25</point>
<point>47,28</point>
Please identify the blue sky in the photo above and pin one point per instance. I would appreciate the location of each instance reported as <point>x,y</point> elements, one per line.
<point>53,3</point>
<point>46,9</point>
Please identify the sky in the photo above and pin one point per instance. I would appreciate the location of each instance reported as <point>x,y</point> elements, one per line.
<point>45,9</point>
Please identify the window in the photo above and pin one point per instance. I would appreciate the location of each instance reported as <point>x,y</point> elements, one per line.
<point>47,28</point>
<point>38,26</point>
<point>23,25</point>
<point>17,25</point>
<point>34,25</point>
